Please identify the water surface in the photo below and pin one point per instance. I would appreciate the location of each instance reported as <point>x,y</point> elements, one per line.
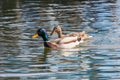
<point>24,58</point>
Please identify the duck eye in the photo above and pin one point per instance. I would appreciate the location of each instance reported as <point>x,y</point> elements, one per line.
<point>40,31</point>
<point>55,27</point>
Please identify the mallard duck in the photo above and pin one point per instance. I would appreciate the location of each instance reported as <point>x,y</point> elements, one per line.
<point>66,42</point>
<point>57,29</point>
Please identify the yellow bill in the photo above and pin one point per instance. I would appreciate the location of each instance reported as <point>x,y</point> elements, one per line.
<point>35,35</point>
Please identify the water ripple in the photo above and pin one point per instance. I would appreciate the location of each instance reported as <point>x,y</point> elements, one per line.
<point>24,58</point>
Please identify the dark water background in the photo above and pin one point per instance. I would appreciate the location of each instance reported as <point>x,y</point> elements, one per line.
<point>24,58</point>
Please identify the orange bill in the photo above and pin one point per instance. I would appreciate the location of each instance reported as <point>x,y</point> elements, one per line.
<point>35,35</point>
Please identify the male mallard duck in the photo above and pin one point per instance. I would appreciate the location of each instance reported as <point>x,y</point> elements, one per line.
<point>58,30</point>
<point>66,42</point>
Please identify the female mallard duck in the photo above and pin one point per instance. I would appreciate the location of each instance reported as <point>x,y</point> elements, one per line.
<point>66,42</point>
<point>58,30</point>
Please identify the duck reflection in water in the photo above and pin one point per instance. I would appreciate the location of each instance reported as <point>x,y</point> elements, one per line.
<point>42,58</point>
<point>41,62</point>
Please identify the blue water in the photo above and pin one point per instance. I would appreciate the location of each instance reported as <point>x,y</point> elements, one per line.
<point>24,58</point>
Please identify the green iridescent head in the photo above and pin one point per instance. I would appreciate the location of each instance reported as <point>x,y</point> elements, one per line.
<point>41,32</point>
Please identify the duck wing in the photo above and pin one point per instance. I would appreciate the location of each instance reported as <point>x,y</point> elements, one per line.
<point>52,45</point>
<point>67,40</point>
